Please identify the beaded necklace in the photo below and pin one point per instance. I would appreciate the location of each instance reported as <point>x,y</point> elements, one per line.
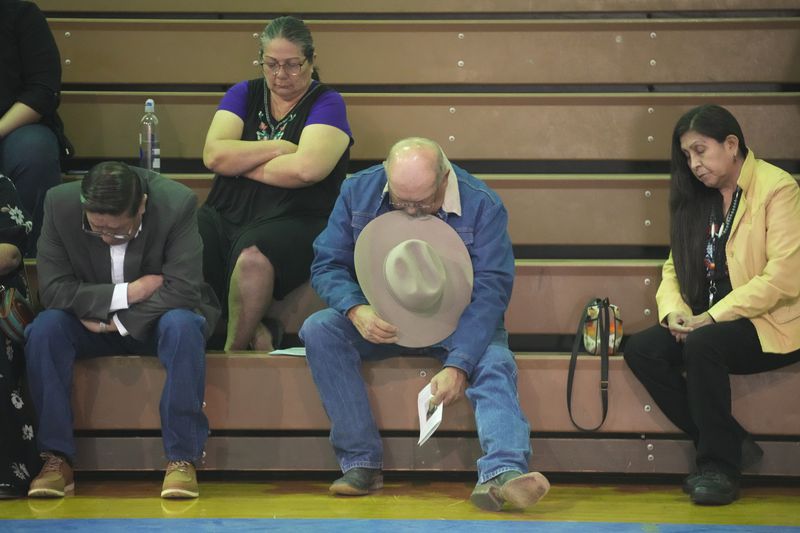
<point>276,129</point>
<point>715,238</point>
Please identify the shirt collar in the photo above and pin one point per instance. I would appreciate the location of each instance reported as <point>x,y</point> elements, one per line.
<point>747,171</point>
<point>452,198</point>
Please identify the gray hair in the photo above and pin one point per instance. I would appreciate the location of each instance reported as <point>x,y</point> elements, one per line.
<point>293,30</point>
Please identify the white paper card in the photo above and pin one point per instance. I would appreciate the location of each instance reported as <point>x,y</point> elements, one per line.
<point>297,352</point>
<point>429,419</point>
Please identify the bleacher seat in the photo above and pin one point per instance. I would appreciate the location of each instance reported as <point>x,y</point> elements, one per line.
<point>565,107</point>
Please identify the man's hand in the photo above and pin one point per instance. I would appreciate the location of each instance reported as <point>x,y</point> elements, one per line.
<point>448,385</point>
<point>144,287</point>
<point>97,326</point>
<point>679,325</point>
<point>372,327</point>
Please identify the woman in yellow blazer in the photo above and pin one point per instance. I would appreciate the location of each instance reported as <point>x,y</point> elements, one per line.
<point>729,299</point>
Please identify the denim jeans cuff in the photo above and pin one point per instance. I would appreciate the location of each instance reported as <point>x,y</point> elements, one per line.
<point>362,464</point>
<point>483,478</point>
<point>196,462</point>
<point>182,457</point>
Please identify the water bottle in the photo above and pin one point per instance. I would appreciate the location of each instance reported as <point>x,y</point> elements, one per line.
<point>149,149</point>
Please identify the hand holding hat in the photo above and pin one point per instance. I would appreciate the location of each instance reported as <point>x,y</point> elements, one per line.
<point>416,273</point>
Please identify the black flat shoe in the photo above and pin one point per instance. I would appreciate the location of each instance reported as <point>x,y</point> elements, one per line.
<point>715,488</point>
<point>690,482</point>
<point>751,455</point>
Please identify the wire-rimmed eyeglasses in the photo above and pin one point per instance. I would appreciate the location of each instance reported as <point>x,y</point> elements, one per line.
<point>292,68</point>
<point>422,206</point>
<point>87,228</point>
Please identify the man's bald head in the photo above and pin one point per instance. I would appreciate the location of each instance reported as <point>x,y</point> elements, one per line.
<point>415,169</point>
<point>418,148</point>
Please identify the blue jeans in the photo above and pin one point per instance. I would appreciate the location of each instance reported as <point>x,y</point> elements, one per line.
<point>335,349</point>
<point>29,155</point>
<point>57,338</point>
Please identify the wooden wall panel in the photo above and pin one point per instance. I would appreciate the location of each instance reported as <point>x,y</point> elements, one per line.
<point>442,52</point>
<point>557,209</point>
<point>106,124</point>
<point>258,392</point>
<point>585,210</point>
<point>410,6</point>
<point>549,295</point>
<point>626,126</point>
<point>156,51</point>
<point>547,298</point>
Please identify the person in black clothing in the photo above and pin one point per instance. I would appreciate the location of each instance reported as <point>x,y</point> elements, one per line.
<point>31,133</point>
<point>19,458</point>
<point>729,298</point>
<point>279,145</point>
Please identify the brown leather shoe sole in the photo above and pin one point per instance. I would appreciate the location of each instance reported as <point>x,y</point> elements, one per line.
<point>179,494</point>
<point>44,492</point>
<point>525,490</point>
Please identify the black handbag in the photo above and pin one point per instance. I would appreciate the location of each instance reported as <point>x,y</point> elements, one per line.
<point>600,331</point>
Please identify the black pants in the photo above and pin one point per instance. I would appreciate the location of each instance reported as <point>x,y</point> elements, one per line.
<point>700,402</point>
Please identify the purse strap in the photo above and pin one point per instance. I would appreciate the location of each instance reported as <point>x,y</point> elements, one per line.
<point>603,328</point>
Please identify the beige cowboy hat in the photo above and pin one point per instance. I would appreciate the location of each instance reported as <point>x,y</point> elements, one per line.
<point>416,273</point>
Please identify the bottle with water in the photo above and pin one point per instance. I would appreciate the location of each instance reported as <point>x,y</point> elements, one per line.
<point>149,148</point>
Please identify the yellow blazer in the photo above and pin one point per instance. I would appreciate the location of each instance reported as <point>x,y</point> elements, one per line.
<point>763,254</point>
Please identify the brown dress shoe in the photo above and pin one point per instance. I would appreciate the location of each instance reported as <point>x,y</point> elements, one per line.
<point>358,482</point>
<point>54,480</point>
<point>180,481</point>
<point>518,489</point>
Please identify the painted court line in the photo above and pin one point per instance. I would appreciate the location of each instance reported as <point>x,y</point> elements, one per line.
<point>196,525</point>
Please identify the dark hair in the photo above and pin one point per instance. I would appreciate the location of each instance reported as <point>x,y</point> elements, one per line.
<point>111,188</point>
<point>293,30</point>
<point>691,203</point>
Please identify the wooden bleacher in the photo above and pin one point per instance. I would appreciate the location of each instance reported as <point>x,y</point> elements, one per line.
<point>214,8</point>
<point>626,51</point>
<point>283,425</point>
<point>565,107</point>
<point>625,127</point>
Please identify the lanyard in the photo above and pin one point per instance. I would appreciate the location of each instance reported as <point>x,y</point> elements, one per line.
<point>716,237</point>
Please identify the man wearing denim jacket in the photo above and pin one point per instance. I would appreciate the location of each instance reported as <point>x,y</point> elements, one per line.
<point>419,179</point>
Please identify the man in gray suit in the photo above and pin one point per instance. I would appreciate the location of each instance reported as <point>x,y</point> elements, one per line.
<point>120,272</point>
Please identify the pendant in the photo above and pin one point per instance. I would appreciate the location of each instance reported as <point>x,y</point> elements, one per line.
<point>712,290</point>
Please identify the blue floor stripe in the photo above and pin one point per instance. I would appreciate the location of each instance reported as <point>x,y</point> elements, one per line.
<point>193,525</point>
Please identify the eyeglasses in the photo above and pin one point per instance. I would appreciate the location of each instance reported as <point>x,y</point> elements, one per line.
<point>422,206</point>
<point>417,206</point>
<point>87,228</point>
<point>292,68</point>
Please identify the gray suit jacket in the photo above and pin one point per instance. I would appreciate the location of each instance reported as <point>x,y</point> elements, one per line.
<point>74,268</point>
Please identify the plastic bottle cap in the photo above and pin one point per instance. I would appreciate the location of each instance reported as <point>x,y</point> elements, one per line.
<point>149,106</point>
